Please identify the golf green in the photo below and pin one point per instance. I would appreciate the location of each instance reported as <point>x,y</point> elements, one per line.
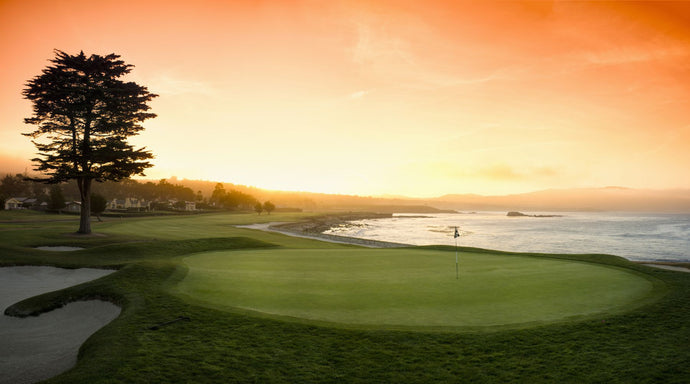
<point>410,287</point>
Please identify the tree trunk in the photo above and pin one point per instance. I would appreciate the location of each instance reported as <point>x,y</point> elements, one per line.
<point>85,215</point>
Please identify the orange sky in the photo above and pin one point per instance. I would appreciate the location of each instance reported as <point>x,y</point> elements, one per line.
<point>419,98</point>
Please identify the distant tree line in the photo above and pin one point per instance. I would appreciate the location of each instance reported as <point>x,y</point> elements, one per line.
<point>232,199</point>
<point>161,194</point>
<point>17,186</point>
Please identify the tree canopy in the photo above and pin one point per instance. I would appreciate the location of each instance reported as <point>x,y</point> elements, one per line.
<point>269,207</point>
<point>232,199</point>
<point>56,199</point>
<point>86,113</point>
<point>15,186</point>
<point>98,204</point>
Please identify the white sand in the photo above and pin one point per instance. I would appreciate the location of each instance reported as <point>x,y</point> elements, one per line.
<point>269,227</point>
<point>37,348</point>
<point>669,267</point>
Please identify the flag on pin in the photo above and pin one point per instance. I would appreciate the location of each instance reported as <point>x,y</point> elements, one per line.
<point>457,234</point>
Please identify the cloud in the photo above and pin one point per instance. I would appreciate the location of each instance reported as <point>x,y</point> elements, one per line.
<point>500,172</point>
<point>359,94</point>
<point>636,54</point>
<point>376,42</point>
<point>405,50</point>
<point>494,172</point>
<point>164,84</point>
<point>504,172</point>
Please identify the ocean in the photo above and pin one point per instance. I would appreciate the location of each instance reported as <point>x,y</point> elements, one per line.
<point>635,236</point>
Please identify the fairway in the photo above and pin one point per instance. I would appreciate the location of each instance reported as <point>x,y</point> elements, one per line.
<point>409,287</point>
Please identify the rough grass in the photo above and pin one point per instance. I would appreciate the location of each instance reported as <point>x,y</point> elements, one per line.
<point>645,345</point>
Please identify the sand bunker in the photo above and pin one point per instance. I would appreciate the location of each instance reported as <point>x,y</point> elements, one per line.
<point>37,348</point>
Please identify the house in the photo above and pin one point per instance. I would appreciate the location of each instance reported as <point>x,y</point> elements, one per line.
<point>30,203</point>
<point>190,206</point>
<point>115,204</point>
<point>73,206</point>
<point>128,203</point>
<point>20,203</point>
<point>14,203</point>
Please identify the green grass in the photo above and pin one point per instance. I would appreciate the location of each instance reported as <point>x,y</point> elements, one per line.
<point>410,287</point>
<point>636,344</point>
<point>24,215</point>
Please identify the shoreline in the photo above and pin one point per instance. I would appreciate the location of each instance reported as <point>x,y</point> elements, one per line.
<point>283,228</point>
<point>654,238</point>
<point>313,229</point>
<point>666,265</point>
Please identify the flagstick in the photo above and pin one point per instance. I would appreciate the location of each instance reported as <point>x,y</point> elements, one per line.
<point>456,253</point>
<point>456,258</point>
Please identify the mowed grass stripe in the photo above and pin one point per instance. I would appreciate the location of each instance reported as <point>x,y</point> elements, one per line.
<point>211,226</point>
<point>409,287</point>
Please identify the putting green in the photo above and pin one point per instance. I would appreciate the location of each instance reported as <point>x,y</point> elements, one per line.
<point>409,287</point>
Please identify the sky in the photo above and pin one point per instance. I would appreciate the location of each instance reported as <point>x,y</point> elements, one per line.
<point>414,98</point>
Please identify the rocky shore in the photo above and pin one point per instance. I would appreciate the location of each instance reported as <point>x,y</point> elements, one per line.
<point>520,214</point>
<point>320,224</point>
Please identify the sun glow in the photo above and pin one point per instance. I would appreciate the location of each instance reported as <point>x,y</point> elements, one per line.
<point>397,97</point>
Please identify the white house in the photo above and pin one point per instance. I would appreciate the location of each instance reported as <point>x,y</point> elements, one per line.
<point>128,203</point>
<point>20,203</point>
<point>14,203</point>
<point>115,204</point>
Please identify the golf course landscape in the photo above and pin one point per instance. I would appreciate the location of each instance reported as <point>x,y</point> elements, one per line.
<point>203,300</point>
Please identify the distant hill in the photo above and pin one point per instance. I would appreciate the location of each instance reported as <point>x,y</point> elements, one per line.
<point>582,199</point>
<point>310,201</point>
<point>579,199</point>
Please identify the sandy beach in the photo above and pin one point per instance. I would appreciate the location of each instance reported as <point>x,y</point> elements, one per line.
<point>296,230</point>
<point>37,348</point>
<point>668,267</point>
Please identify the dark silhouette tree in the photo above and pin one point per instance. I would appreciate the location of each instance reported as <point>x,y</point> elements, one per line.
<point>15,186</point>
<point>98,205</point>
<point>258,208</point>
<point>218,194</point>
<point>269,207</point>
<point>56,199</point>
<point>87,113</point>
